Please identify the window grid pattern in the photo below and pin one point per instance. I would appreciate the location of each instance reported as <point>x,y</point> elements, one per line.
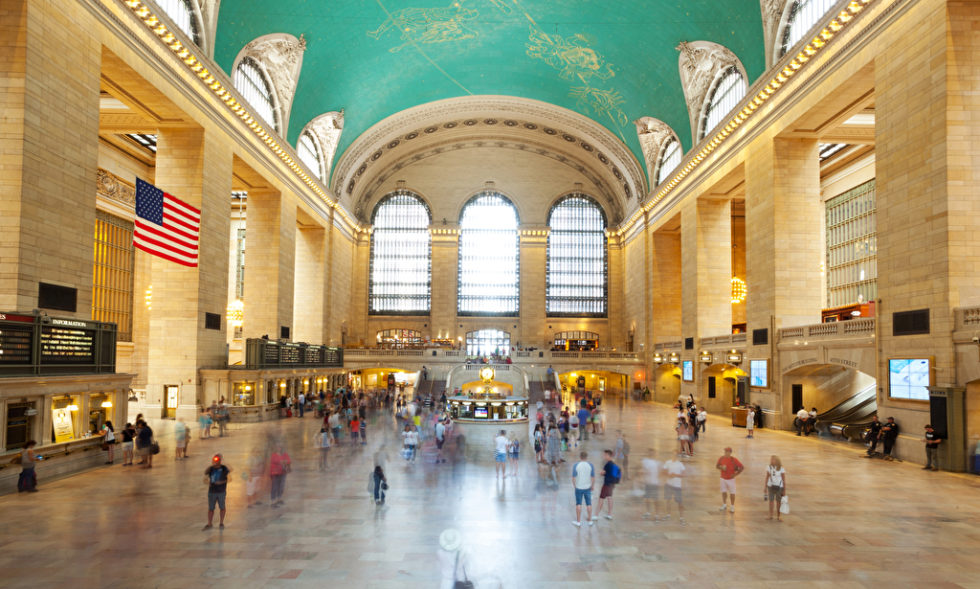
<point>308,153</point>
<point>401,256</point>
<point>400,338</point>
<point>256,90</point>
<point>489,263</point>
<point>112,276</point>
<point>576,268</point>
<point>240,264</point>
<point>852,247</point>
<point>669,160</point>
<point>728,92</point>
<point>487,342</point>
<point>147,140</point>
<point>803,14</point>
<point>182,13</point>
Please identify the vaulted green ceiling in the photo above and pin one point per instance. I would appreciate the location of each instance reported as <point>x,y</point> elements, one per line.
<point>610,60</point>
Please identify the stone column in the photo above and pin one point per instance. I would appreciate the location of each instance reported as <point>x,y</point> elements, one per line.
<point>49,141</point>
<point>533,288</point>
<point>340,279</point>
<point>196,168</point>
<point>665,275</point>
<point>445,256</point>
<point>783,230</point>
<point>706,271</point>
<point>270,255</point>
<point>309,292</point>
<point>927,96</point>
<point>615,305</point>
<point>359,290</point>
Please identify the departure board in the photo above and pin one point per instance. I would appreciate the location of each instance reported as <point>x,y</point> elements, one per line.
<point>289,354</point>
<point>15,343</point>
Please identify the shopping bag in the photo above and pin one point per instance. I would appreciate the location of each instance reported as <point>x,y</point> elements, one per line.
<point>784,505</point>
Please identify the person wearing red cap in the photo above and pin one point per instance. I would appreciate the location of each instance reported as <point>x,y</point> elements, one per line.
<point>730,468</point>
<point>216,476</point>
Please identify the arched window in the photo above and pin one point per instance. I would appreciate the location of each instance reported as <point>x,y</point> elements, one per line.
<point>670,158</point>
<point>182,13</point>
<point>800,18</point>
<point>256,90</point>
<point>729,90</point>
<point>309,154</point>
<point>488,257</point>
<point>487,342</point>
<point>576,269</point>
<point>401,256</point>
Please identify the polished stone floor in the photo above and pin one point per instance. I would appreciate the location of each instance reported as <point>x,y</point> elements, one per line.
<point>854,523</point>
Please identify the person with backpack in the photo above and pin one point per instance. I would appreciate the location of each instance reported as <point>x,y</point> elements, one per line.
<point>216,476</point>
<point>611,475</point>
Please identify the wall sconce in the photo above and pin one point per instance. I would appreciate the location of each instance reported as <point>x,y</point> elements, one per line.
<point>706,357</point>
<point>658,358</point>
<point>107,404</point>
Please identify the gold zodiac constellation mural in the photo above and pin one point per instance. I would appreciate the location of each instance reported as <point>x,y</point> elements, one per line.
<point>429,25</point>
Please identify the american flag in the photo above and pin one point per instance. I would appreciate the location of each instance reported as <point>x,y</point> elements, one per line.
<point>166,226</point>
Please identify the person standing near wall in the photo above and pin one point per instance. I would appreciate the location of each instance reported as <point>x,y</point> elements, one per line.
<point>932,441</point>
<point>889,433</point>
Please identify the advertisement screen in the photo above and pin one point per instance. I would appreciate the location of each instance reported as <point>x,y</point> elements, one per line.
<point>759,373</point>
<point>480,412</point>
<point>688,369</point>
<point>909,378</point>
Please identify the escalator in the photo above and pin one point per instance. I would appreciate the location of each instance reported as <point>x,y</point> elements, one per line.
<point>851,417</point>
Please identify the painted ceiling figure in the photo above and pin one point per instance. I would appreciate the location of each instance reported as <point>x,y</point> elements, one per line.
<point>428,25</point>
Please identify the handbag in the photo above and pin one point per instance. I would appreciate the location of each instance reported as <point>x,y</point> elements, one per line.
<point>784,505</point>
<point>154,448</point>
<point>105,446</point>
<point>465,583</point>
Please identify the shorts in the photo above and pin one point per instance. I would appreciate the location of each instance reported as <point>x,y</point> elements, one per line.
<point>515,455</point>
<point>728,486</point>
<point>439,443</point>
<point>651,491</point>
<point>674,493</point>
<point>182,443</point>
<point>145,451</point>
<point>500,456</point>
<point>127,446</point>
<point>218,498</point>
<point>606,492</point>
<point>775,492</point>
<point>583,495</point>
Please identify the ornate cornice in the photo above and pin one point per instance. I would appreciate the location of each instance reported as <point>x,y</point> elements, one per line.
<point>653,134</point>
<point>699,63</point>
<point>540,121</point>
<point>114,188</point>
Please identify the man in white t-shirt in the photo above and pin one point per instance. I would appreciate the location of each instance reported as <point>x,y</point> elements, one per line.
<point>651,483</point>
<point>500,452</point>
<point>674,470</point>
<point>583,479</point>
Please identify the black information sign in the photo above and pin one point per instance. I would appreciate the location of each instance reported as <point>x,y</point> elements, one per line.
<point>38,344</point>
<point>67,345</point>
<point>15,344</point>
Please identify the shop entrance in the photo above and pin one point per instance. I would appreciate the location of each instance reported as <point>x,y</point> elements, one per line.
<point>20,420</point>
<point>172,393</point>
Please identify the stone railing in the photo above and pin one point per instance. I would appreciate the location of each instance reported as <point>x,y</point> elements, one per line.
<point>668,346</point>
<point>834,330</point>
<point>519,357</point>
<point>723,340</point>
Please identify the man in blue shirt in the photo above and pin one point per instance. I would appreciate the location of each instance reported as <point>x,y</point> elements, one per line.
<point>583,422</point>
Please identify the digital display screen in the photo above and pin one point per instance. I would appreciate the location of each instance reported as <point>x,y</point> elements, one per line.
<point>909,378</point>
<point>687,367</point>
<point>759,373</point>
<point>480,412</point>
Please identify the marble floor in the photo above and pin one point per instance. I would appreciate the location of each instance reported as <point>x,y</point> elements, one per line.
<point>854,523</point>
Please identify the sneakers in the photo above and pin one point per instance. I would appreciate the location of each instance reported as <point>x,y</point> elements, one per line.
<point>731,508</point>
<point>723,507</point>
<point>577,524</point>
<point>595,518</point>
<point>591,522</point>
<point>206,527</point>
<point>608,516</point>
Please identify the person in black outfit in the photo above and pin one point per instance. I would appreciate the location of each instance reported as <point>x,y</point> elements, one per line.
<point>933,440</point>
<point>217,477</point>
<point>889,433</point>
<point>144,443</point>
<point>874,432</point>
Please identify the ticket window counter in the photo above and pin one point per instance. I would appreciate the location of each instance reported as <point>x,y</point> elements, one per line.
<point>470,409</point>
<point>65,419</point>
<point>100,410</point>
<point>243,393</point>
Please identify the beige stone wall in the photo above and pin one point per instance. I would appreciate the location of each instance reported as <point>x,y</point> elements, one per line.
<point>666,284</point>
<point>636,278</point>
<point>270,263</point>
<point>341,278</point>
<point>48,152</point>
<point>309,292</point>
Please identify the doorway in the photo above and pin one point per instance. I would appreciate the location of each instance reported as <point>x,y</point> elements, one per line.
<point>797,391</point>
<point>172,393</point>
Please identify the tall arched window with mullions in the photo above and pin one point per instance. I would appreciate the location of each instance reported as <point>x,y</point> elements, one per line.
<point>255,88</point>
<point>182,13</point>
<point>801,16</point>
<point>577,267</point>
<point>401,256</point>
<point>727,92</point>
<point>489,266</point>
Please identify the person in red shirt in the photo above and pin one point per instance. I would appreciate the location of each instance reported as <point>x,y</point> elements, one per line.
<point>279,466</point>
<point>730,468</point>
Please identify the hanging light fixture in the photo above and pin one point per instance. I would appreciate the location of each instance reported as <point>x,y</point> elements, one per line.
<point>236,313</point>
<point>739,290</point>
